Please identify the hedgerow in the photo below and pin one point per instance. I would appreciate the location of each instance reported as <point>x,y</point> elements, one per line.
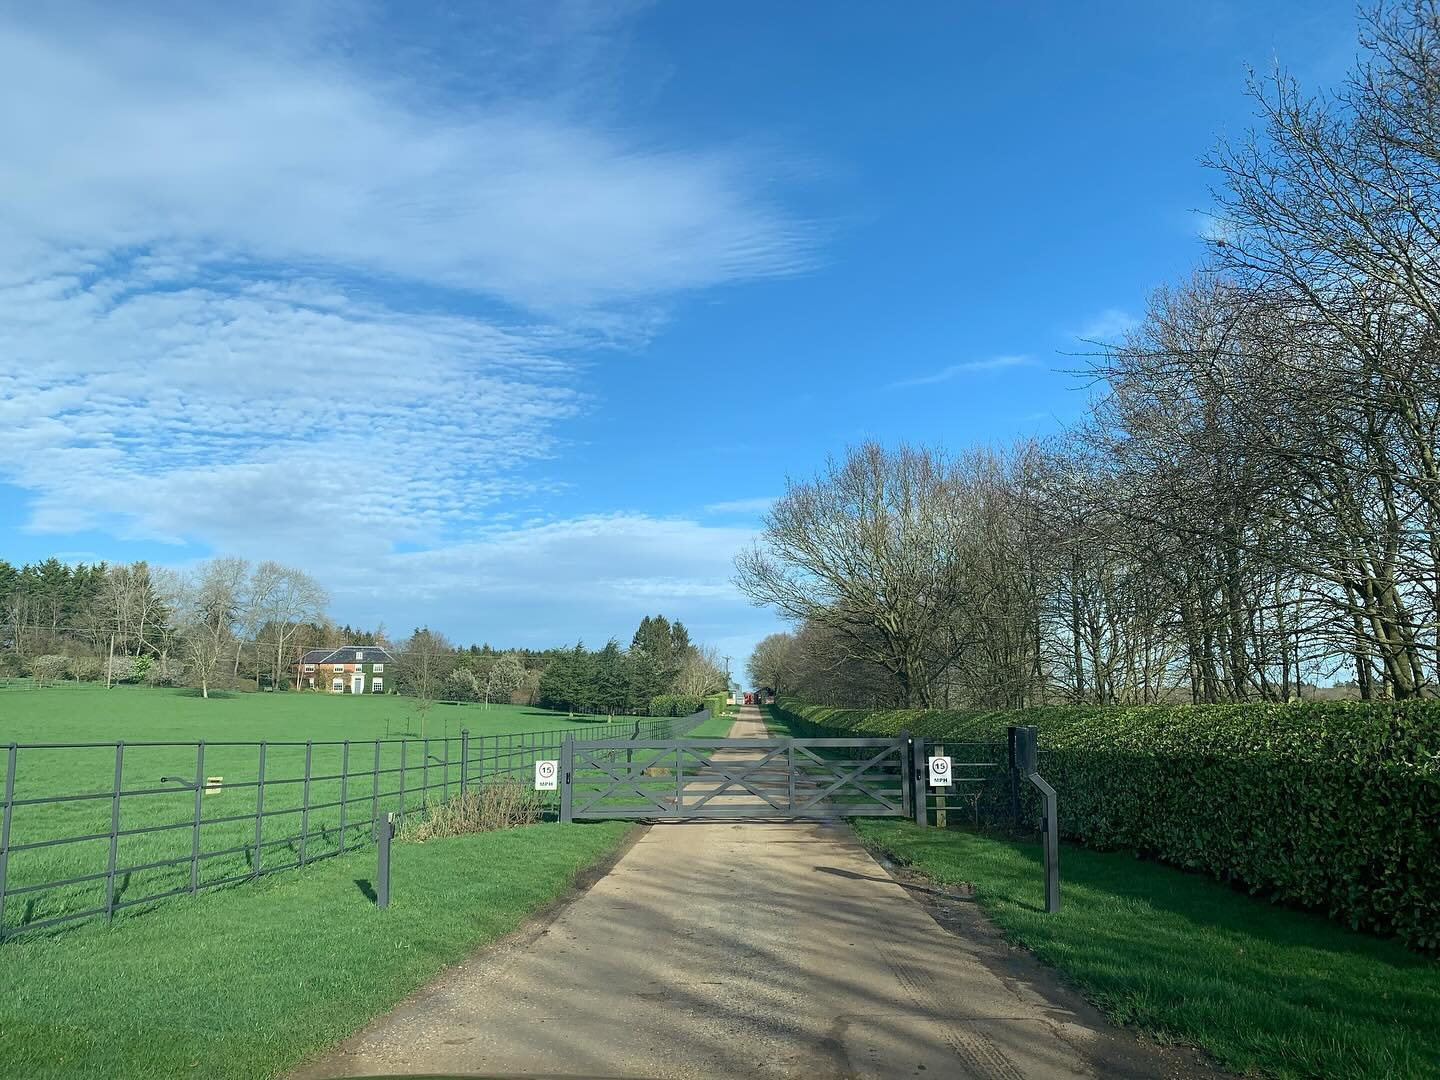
<point>1333,806</point>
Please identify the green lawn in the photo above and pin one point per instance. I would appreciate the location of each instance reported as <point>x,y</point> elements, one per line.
<point>1264,989</point>
<point>140,715</point>
<point>246,982</point>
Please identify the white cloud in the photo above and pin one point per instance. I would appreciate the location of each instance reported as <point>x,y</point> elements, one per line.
<point>741,506</point>
<point>543,583</point>
<point>1108,325</point>
<point>954,371</point>
<point>136,132</point>
<point>256,296</point>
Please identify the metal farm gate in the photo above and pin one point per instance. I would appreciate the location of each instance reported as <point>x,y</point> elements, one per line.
<point>733,778</point>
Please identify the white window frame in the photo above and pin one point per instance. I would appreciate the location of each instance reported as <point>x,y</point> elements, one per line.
<point>337,685</point>
<point>309,668</point>
<point>337,667</point>
<point>359,656</point>
<point>377,668</point>
<point>377,686</point>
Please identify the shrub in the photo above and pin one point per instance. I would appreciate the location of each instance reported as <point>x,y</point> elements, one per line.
<point>498,805</point>
<point>86,668</point>
<point>675,705</point>
<point>1324,805</point>
<point>166,671</point>
<point>49,668</point>
<point>716,703</point>
<point>122,669</point>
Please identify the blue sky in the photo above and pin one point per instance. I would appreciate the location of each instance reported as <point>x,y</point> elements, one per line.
<point>509,318</point>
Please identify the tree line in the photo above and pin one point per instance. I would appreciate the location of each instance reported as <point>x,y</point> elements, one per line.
<point>231,624</point>
<point>1250,505</point>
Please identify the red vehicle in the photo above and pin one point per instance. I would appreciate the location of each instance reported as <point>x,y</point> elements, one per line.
<point>749,699</point>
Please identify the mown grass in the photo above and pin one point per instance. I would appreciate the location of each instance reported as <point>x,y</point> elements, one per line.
<point>248,981</point>
<point>1262,988</point>
<point>227,840</point>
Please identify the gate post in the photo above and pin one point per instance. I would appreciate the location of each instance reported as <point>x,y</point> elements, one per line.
<point>1014,781</point>
<point>567,763</point>
<point>464,759</point>
<point>918,779</point>
<point>905,805</point>
<point>1028,761</point>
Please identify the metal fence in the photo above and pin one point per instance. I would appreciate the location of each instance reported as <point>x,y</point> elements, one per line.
<point>91,829</point>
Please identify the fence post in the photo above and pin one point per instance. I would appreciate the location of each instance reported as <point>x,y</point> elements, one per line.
<point>305,805</point>
<point>790,771</point>
<point>425,771</point>
<point>375,791</point>
<point>114,831</point>
<point>1014,780</point>
<point>445,773</point>
<point>382,867</point>
<point>259,810</point>
<point>567,763</point>
<point>464,759</point>
<point>403,744</point>
<point>195,828</point>
<point>917,767</point>
<point>942,803</point>
<point>5,811</point>
<point>344,788</point>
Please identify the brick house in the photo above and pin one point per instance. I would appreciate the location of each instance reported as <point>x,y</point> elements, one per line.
<point>350,669</point>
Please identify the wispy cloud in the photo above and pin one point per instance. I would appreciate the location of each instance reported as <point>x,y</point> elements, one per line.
<point>1108,325</point>
<point>955,371</point>
<point>741,506</point>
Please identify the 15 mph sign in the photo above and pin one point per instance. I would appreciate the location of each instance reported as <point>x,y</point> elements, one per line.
<point>545,773</point>
<point>940,772</point>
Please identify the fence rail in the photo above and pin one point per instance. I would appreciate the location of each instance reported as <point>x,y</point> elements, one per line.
<point>163,819</point>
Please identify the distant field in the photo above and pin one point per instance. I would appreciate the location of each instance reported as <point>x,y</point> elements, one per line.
<point>90,713</point>
<point>156,820</point>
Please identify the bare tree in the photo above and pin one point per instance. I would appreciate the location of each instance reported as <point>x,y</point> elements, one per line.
<point>772,662</point>
<point>284,599</point>
<point>424,661</point>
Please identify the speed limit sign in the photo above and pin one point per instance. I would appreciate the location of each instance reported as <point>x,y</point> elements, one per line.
<point>545,773</point>
<point>940,772</point>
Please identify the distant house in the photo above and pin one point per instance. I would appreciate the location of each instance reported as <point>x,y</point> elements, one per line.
<point>350,669</point>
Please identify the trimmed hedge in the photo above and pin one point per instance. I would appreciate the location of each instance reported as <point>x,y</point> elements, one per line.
<point>1334,806</point>
<point>675,705</point>
<point>717,703</point>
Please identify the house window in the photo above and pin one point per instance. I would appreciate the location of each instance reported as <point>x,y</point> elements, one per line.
<point>312,682</point>
<point>378,668</point>
<point>359,656</point>
<point>309,668</point>
<point>337,686</point>
<point>337,667</point>
<point>377,686</point>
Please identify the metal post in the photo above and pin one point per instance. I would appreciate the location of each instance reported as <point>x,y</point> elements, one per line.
<point>344,788</point>
<point>464,759</point>
<point>6,809</point>
<point>114,831</point>
<point>375,790</point>
<point>445,773</point>
<point>195,829</point>
<point>1014,779</point>
<point>917,768</point>
<point>382,867</point>
<point>305,806</point>
<point>905,805</point>
<point>403,744</point>
<point>567,763</point>
<point>259,811</point>
<point>1052,845</point>
<point>942,800</point>
<point>425,773</point>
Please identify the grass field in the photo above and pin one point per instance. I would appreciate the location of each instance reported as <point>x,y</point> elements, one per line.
<point>157,822</point>
<point>1264,989</point>
<point>247,982</point>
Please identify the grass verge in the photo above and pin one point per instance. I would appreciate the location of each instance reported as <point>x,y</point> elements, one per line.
<point>248,981</point>
<point>1262,988</point>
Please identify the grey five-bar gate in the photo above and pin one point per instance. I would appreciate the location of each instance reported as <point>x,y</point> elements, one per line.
<point>675,779</point>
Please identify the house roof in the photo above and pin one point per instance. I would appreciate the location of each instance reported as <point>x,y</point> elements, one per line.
<point>345,654</point>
